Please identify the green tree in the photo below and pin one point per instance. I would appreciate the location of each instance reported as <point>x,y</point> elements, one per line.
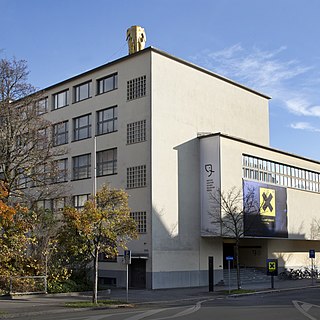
<point>102,226</point>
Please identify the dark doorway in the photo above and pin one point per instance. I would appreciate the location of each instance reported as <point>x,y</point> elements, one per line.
<point>228,251</point>
<point>137,273</point>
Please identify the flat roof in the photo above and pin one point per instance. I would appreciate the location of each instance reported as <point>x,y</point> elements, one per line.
<point>165,54</point>
<point>226,136</point>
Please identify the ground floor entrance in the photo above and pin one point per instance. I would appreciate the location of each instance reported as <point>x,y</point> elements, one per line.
<point>137,273</point>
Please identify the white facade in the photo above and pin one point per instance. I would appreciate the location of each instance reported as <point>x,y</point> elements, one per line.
<point>154,111</point>
<point>295,183</point>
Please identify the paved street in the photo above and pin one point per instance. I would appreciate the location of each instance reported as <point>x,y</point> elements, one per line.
<point>293,301</point>
<point>290,305</point>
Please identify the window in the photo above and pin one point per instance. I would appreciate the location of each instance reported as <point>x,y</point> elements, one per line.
<point>61,174</point>
<point>82,127</point>
<point>136,132</point>
<point>136,177</point>
<point>136,88</point>
<point>82,167</point>
<point>107,258</point>
<point>107,120</point>
<point>107,281</point>
<point>79,201</point>
<point>43,174</point>
<point>108,83</point>
<point>107,162</point>
<point>277,173</point>
<point>42,105</point>
<point>61,99</point>
<point>22,181</point>
<point>42,141</point>
<point>45,204</point>
<point>140,218</point>
<point>82,91</point>
<point>59,203</point>
<point>60,133</point>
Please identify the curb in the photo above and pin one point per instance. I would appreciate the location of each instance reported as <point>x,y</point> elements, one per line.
<point>272,291</point>
<point>102,293</point>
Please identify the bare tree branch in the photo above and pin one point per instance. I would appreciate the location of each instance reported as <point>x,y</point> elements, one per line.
<point>229,209</point>
<point>26,146</point>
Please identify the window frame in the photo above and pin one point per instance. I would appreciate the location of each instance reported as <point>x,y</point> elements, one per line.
<point>77,91</point>
<point>76,199</point>
<point>77,168</point>
<point>270,172</point>
<point>103,163</point>
<point>56,134</point>
<point>55,100</point>
<point>103,124</point>
<point>137,88</point>
<point>62,174</point>
<point>137,177</point>
<point>136,132</point>
<point>41,107</point>
<point>140,217</point>
<point>101,83</point>
<point>77,128</point>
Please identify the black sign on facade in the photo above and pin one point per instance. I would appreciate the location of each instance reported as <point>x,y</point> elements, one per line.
<point>312,253</point>
<point>270,220</point>
<point>211,274</point>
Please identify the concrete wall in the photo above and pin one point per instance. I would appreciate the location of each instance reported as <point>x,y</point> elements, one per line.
<point>181,101</point>
<point>293,253</point>
<point>186,101</point>
<point>128,155</point>
<point>302,205</point>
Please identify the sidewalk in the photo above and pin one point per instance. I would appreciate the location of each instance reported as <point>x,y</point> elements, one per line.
<point>55,303</point>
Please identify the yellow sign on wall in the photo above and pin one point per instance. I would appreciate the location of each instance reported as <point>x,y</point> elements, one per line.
<point>267,202</point>
<point>272,266</point>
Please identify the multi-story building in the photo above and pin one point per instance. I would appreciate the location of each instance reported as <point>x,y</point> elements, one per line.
<point>150,123</point>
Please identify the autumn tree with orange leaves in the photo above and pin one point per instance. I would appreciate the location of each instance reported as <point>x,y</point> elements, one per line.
<point>15,224</point>
<point>102,226</point>
<point>28,172</point>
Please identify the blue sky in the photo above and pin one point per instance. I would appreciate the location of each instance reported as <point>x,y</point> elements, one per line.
<point>271,46</point>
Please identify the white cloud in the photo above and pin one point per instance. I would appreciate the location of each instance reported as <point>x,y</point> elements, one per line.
<point>304,126</point>
<point>301,106</point>
<point>226,53</point>
<point>269,72</point>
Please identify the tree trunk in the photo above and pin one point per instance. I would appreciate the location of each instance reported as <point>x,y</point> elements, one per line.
<point>238,265</point>
<point>95,277</point>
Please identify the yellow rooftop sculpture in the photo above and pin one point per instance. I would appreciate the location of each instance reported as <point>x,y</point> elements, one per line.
<point>136,38</point>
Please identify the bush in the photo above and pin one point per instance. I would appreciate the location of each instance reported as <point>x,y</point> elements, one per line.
<point>74,284</point>
<point>62,286</point>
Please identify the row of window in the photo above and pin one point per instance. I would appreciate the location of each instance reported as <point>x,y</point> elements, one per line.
<point>139,216</point>
<point>136,88</point>
<point>107,122</point>
<point>80,92</point>
<point>273,172</point>
<point>78,202</point>
<point>106,164</point>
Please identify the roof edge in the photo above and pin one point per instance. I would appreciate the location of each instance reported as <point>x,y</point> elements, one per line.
<point>192,65</point>
<point>165,54</point>
<point>226,136</point>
